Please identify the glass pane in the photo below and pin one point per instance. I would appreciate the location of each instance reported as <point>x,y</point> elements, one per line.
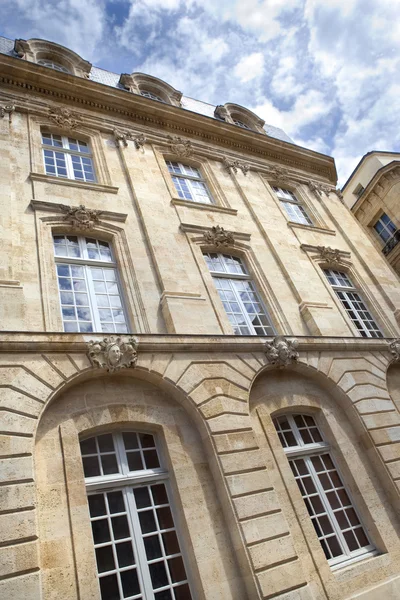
<point>109,588</point>
<point>105,559</point>
<point>147,521</point>
<point>153,547</point>
<point>120,527</point>
<point>130,583</point>
<point>125,554</point>
<point>91,466</point>
<point>97,506</point>
<point>142,497</point>
<point>116,502</point>
<point>158,574</point>
<point>101,531</point>
<point>130,440</point>
<point>135,462</point>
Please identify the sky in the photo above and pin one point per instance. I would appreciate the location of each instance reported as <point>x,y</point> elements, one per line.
<point>326,71</point>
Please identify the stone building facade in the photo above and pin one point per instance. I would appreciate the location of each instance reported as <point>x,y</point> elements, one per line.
<point>199,372</point>
<point>372,193</point>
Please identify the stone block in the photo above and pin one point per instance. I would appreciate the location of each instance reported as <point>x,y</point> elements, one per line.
<point>264,528</point>
<point>257,504</point>
<point>247,483</point>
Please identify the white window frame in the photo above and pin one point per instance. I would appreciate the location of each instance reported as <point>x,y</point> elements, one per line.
<point>188,179</point>
<point>151,95</point>
<point>124,480</point>
<point>68,153</point>
<point>294,209</point>
<point>385,227</point>
<point>306,452</point>
<point>241,277</point>
<point>339,288</point>
<point>86,263</point>
<point>51,64</point>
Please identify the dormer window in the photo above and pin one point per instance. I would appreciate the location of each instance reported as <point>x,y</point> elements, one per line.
<point>240,124</point>
<point>151,95</point>
<point>52,65</point>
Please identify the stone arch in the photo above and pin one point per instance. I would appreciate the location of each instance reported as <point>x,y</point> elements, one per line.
<point>302,388</point>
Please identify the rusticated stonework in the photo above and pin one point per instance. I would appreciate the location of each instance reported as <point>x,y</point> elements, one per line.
<point>281,351</point>
<point>113,353</point>
<point>218,236</point>
<point>80,217</point>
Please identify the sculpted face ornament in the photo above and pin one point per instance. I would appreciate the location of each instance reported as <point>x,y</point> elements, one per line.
<point>330,255</point>
<point>113,353</point>
<point>80,217</point>
<point>281,351</point>
<point>180,147</point>
<point>219,237</point>
<point>64,117</point>
<point>394,349</point>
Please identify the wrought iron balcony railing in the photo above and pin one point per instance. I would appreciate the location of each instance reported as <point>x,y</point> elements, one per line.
<point>392,243</point>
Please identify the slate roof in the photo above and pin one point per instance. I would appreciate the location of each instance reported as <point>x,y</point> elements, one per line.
<point>108,78</point>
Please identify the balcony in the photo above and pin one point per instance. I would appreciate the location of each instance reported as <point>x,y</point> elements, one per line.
<point>392,243</point>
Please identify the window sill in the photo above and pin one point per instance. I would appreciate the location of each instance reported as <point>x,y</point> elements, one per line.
<point>354,560</point>
<point>293,225</point>
<point>98,187</point>
<point>203,206</point>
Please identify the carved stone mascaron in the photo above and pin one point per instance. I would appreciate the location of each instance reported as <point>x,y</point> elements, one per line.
<point>218,236</point>
<point>394,348</point>
<point>80,217</point>
<point>113,353</point>
<point>64,117</point>
<point>179,146</point>
<point>330,255</point>
<point>281,351</point>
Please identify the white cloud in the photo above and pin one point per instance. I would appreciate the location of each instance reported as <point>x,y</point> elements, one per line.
<point>249,67</point>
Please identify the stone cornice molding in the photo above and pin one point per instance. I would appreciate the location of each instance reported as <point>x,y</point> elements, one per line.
<point>332,257</point>
<point>18,74</point>
<point>201,231</point>
<point>34,342</point>
<point>58,208</point>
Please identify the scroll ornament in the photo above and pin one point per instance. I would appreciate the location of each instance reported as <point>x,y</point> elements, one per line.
<point>113,353</point>
<point>281,351</point>
<point>234,165</point>
<point>180,146</point>
<point>121,139</point>
<point>218,236</point>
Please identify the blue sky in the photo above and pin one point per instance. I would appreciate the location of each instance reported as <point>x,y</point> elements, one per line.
<point>326,71</point>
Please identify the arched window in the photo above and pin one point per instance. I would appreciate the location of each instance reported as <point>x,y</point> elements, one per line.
<point>240,124</point>
<point>137,549</point>
<point>67,157</point>
<point>293,208</point>
<point>88,283</point>
<point>53,65</point>
<point>239,295</point>
<point>328,503</point>
<point>151,95</point>
<point>189,183</point>
<point>353,303</point>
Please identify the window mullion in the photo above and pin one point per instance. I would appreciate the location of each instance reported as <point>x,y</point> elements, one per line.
<point>92,300</point>
<point>142,564</point>
<point>244,311</point>
<point>327,506</point>
<point>295,430</point>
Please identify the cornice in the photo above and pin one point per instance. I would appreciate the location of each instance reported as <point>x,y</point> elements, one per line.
<point>37,342</point>
<point>98,187</point>
<point>204,206</point>
<point>87,94</point>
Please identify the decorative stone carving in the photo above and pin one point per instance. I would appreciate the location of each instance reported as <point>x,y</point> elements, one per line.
<point>330,255</point>
<point>113,353</point>
<point>7,108</point>
<point>338,193</point>
<point>121,139</point>
<point>233,164</point>
<point>179,146</point>
<point>281,351</point>
<point>21,48</point>
<point>218,236</point>
<point>80,217</point>
<point>64,117</point>
<point>319,188</point>
<point>394,349</point>
<point>221,112</point>
<point>279,173</point>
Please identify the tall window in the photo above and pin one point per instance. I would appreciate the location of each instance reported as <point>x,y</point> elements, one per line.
<point>292,206</point>
<point>239,295</point>
<point>67,157</point>
<point>385,228</point>
<point>137,548</point>
<point>53,65</point>
<point>328,503</point>
<point>353,303</point>
<point>90,293</point>
<point>189,183</point>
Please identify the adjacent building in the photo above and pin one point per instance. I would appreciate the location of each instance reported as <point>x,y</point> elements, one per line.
<point>199,351</point>
<point>372,193</point>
